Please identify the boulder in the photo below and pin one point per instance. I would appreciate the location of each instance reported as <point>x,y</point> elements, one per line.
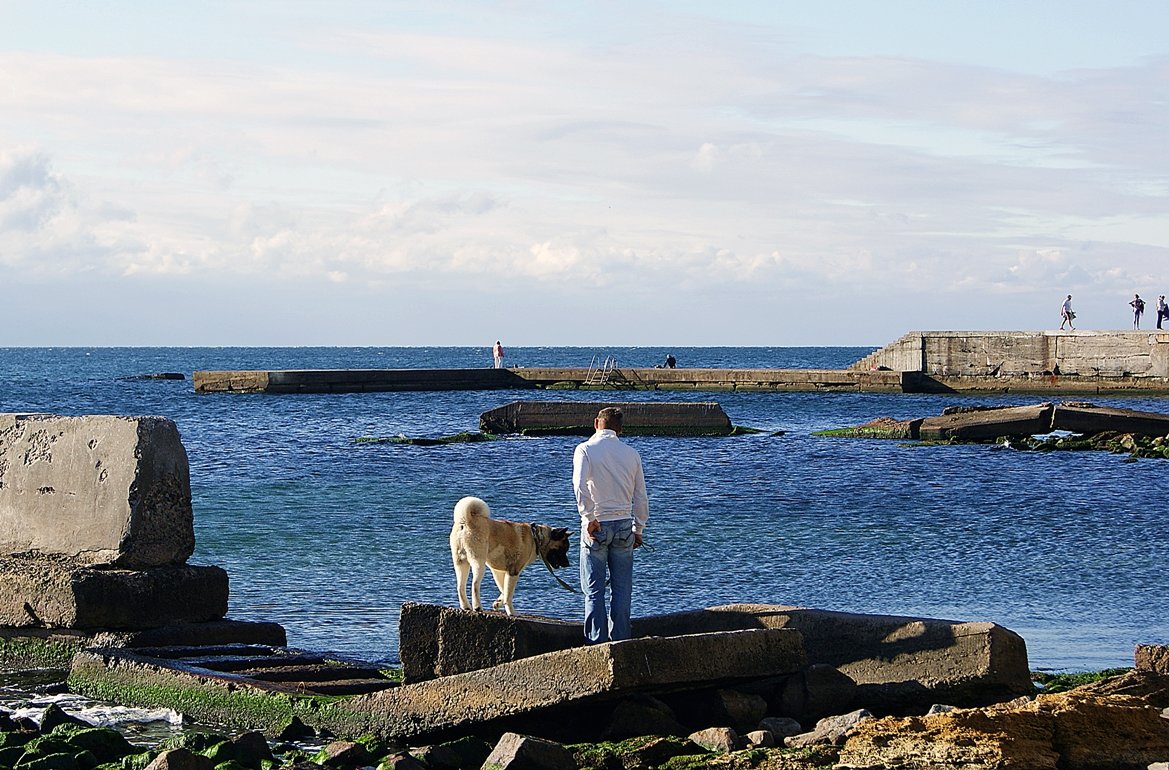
<point>780,727</point>
<point>522,752</point>
<point>180,759</point>
<point>1076,730</point>
<point>721,739</point>
<point>101,490</point>
<point>760,739</point>
<point>641,715</point>
<point>830,731</point>
<point>1153,657</point>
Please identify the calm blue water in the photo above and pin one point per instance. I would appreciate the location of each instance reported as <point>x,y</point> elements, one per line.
<point>328,536</point>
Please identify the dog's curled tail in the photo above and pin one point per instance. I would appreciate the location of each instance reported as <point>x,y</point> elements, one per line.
<point>471,507</point>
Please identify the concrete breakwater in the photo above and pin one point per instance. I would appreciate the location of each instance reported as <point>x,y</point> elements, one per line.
<point>919,362</point>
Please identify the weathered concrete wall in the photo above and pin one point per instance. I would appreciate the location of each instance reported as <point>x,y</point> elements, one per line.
<point>640,417</point>
<point>48,592</point>
<point>100,489</point>
<point>1014,353</point>
<point>895,660</point>
<point>567,677</point>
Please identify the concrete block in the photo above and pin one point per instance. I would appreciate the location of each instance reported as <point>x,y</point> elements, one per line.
<point>988,424</point>
<point>44,592</point>
<point>894,660</point>
<point>440,641</point>
<point>1089,419</point>
<point>571,677</point>
<point>641,418</point>
<point>102,490</point>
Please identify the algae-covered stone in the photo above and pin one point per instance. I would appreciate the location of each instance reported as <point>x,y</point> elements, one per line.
<point>48,762</point>
<point>106,744</point>
<point>252,749</point>
<point>180,759</point>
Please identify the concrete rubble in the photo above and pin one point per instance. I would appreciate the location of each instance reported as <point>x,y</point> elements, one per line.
<point>576,417</point>
<point>893,661</point>
<point>96,527</point>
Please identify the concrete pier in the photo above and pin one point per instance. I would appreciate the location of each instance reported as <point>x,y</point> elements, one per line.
<point>1035,362</point>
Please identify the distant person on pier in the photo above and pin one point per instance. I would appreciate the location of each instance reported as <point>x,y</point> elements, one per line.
<point>1067,314</point>
<point>1162,310</point>
<point>497,355</point>
<point>1138,309</point>
<point>670,361</point>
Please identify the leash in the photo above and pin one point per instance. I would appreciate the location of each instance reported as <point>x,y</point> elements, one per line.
<point>563,585</point>
<point>557,578</point>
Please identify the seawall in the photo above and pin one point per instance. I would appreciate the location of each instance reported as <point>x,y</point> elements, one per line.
<point>1056,363</point>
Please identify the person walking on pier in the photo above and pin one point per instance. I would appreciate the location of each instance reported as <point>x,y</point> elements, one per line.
<point>1066,314</point>
<point>609,484</point>
<point>1162,310</point>
<point>497,355</point>
<point>1138,309</point>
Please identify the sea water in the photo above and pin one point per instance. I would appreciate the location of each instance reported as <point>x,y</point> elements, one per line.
<point>327,534</point>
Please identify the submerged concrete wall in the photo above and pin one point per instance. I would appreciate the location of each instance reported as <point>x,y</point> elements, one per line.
<point>100,489</point>
<point>1015,353</point>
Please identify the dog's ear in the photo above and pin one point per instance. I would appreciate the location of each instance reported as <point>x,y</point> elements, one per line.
<point>560,533</point>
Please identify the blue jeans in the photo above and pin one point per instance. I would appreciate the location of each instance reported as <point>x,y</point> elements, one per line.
<point>610,553</point>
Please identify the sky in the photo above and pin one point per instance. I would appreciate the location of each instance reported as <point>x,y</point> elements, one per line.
<point>790,172</point>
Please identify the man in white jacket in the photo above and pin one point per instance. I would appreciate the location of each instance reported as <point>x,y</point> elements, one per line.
<point>609,483</point>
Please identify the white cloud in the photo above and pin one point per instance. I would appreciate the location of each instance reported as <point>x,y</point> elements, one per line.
<point>646,162</point>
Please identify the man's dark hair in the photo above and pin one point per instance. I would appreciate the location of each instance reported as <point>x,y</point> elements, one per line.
<point>611,417</point>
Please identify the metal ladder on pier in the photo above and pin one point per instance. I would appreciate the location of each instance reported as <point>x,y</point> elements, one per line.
<point>599,373</point>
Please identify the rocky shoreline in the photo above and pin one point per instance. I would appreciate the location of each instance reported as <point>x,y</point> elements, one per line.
<point>1120,723</point>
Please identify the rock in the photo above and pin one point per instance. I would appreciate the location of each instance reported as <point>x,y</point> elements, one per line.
<point>101,490</point>
<point>180,759</point>
<point>1153,657</point>
<point>104,743</point>
<point>1159,766</point>
<point>760,738</point>
<point>1138,683</point>
<point>641,715</point>
<point>1076,730</point>
<point>252,748</point>
<point>522,752</point>
<point>720,739</point>
<point>780,727</point>
<point>720,708</point>
<point>644,753</point>
<point>342,754</point>
<point>466,752</point>
<point>400,761</point>
<point>939,708</point>
<point>817,691</point>
<point>295,730</point>
<point>830,731</point>
<point>54,715</point>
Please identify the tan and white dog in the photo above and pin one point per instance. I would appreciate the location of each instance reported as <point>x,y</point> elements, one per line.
<point>479,541</point>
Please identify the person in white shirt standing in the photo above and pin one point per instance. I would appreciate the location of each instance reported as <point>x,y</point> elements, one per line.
<point>609,483</point>
<point>497,354</point>
<point>1065,312</point>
